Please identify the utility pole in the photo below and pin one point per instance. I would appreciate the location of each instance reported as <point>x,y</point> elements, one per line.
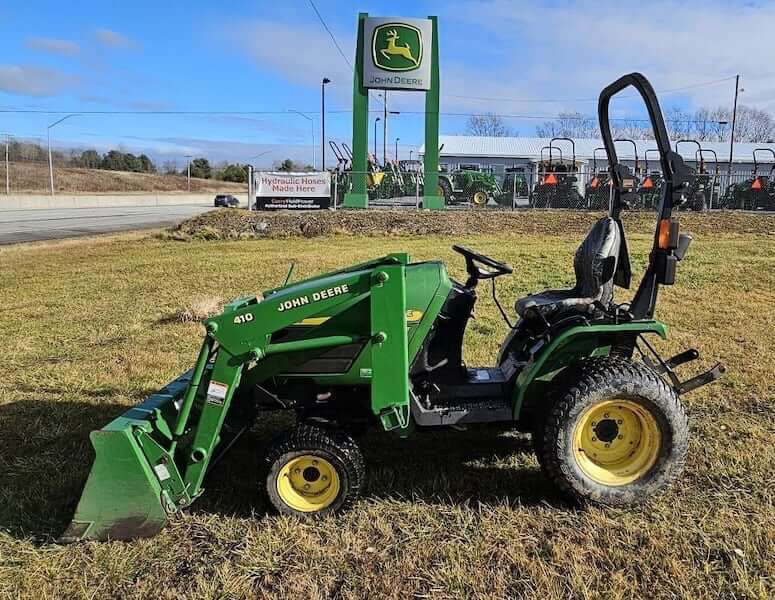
<point>7,172</point>
<point>397,149</point>
<point>377,120</point>
<point>323,121</point>
<point>732,134</point>
<point>188,171</point>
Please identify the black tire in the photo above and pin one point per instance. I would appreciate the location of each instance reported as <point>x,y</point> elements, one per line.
<point>330,445</point>
<point>446,190</point>
<point>592,382</point>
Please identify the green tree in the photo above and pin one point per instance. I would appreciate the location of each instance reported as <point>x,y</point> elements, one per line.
<point>234,172</point>
<point>286,166</point>
<point>89,159</point>
<point>200,168</point>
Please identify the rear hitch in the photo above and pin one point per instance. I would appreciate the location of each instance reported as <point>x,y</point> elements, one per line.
<point>667,367</point>
<point>705,378</point>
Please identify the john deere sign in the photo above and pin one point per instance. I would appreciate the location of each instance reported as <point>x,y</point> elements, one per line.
<point>396,55</point>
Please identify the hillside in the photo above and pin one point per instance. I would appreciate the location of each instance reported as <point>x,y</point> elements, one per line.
<point>32,177</point>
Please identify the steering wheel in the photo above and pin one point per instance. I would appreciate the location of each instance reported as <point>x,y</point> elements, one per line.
<point>475,272</point>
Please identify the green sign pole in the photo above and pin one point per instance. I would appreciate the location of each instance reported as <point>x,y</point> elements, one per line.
<point>357,197</point>
<point>431,160</point>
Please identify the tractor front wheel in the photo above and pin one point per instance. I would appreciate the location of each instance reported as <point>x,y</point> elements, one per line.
<point>615,435</point>
<point>314,471</point>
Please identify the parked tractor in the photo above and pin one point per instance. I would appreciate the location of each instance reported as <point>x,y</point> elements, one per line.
<point>379,345</point>
<point>651,184</point>
<point>468,185</point>
<point>756,193</point>
<point>597,192</point>
<point>557,185</point>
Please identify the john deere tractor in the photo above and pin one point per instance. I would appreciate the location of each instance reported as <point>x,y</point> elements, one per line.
<point>380,345</point>
<point>468,185</point>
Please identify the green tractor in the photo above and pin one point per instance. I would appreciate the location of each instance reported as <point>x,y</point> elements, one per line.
<point>379,344</point>
<point>468,185</point>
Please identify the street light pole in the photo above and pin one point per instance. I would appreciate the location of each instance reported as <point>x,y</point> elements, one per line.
<point>384,128</point>
<point>50,161</point>
<point>732,133</point>
<point>377,120</point>
<point>323,121</point>
<point>188,171</point>
<point>397,149</point>
<point>312,124</point>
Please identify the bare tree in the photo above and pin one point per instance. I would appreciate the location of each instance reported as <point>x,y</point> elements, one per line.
<point>754,125</point>
<point>488,125</point>
<point>569,124</point>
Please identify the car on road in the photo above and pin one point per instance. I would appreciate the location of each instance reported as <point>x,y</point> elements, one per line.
<point>226,200</point>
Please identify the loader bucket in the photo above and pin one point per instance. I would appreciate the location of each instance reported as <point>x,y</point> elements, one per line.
<point>124,497</point>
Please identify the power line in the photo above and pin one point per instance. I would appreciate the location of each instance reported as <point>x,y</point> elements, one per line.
<point>561,100</point>
<point>333,38</point>
<point>524,117</point>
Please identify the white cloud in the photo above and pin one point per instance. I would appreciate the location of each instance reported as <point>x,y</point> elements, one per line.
<point>302,54</point>
<point>53,46</point>
<point>112,39</point>
<point>572,49</point>
<point>27,80</point>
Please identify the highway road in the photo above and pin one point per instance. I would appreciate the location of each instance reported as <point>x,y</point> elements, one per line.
<point>49,224</point>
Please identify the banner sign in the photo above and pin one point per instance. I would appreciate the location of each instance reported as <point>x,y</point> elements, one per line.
<point>292,191</point>
<point>397,53</point>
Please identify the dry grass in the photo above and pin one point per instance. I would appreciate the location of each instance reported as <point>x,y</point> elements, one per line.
<point>33,177</point>
<point>446,515</point>
<point>200,308</point>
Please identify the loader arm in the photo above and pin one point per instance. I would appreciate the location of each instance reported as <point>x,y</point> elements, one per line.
<point>152,461</point>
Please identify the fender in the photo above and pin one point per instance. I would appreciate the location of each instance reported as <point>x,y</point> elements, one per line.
<point>590,340</point>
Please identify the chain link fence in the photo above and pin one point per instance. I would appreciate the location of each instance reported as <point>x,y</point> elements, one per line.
<point>519,188</point>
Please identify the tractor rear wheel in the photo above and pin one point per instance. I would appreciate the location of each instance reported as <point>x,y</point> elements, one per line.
<point>479,198</point>
<point>444,190</point>
<point>615,435</point>
<point>314,471</point>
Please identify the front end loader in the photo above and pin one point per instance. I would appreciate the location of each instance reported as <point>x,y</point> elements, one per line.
<point>380,345</point>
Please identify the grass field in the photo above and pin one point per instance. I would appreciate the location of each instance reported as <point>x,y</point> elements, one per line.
<point>90,328</point>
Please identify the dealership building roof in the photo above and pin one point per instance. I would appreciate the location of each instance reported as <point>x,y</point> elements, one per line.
<point>530,148</point>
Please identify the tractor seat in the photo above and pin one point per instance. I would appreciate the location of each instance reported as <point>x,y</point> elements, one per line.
<point>595,265</point>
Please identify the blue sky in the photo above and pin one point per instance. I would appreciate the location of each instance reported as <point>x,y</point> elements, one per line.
<point>528,58</point>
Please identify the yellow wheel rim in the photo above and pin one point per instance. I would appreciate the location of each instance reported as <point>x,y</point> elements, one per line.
<point>308,483</point>
<point>480,198</point>
<point>616,442</point>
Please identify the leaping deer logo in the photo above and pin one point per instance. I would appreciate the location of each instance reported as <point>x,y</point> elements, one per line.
<point>393,49</point>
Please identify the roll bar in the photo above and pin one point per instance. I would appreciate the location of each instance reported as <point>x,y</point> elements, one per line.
<point>347,149</point>
<point>701,160</point>
<point>755,164</point>
<point>699,148</point>
<point>668,246</point>
<point>594,159</point>
<point>572,145</point>
<point>646,157</point>
<point>550,148</point>
<point>634,149</point>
